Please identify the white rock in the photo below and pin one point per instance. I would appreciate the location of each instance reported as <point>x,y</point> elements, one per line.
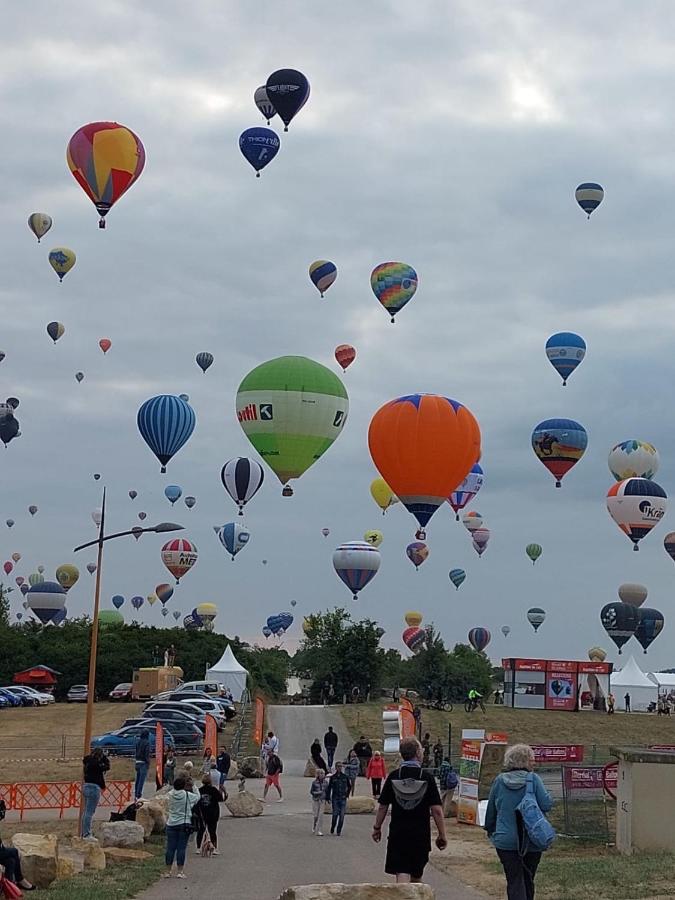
<point>122,834</point>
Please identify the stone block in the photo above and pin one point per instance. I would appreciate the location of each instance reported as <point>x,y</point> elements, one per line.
<point>91,850</point>
<point>243,804</point>
<point>39,854</point>
<point>129,835</point>
<point>359,892</point>
<point>361,805</point>
<point>122,855</point>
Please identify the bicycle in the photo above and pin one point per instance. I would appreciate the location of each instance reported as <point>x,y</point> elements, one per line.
<point>472,705</point>
<point>442,705</point>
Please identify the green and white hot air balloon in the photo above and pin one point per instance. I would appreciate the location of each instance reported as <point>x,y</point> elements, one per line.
<point>534,551</point>
<point>291,409</point>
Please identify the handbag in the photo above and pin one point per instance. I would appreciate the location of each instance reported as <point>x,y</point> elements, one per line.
<point>540,833</point>
<point>9,889</point>
<point>188,827</point>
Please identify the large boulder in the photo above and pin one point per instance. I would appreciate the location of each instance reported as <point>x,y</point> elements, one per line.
<point>122,834</point>
<point>91,850</point>
<point>310,769</point>
<point>359,892</point>
<point>122,856</point>
<point>39,855</point>
<point>234,771</point>
<point>152,816</point>
<point>243,804</point>
<point>361,805</point>
<point>68,863</point>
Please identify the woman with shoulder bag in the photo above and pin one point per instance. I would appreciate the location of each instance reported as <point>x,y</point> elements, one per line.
<point>504,824</point>
<point>178,826</point>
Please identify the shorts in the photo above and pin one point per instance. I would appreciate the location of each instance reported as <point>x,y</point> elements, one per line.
<point>272,780</point>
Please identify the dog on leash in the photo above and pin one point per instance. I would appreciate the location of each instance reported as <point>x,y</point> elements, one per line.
<point>207,847</point>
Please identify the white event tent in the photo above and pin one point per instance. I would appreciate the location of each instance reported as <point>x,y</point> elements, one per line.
<point>632,680</point>
<point>229,673</point>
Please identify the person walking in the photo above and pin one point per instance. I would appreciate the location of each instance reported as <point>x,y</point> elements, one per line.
<point>274,769</point>
<point>413,797</point>
<point>178,826</point>
<point>170,768</point>
<point>95,765</point>
<point>223,763</point>
<point>337,792</point>
<point>330,742</point>
<point>317,758</point>
<point>610,704</point>
<point>502,825</point>
<point>364,752</point>
<point>376,772</point>
<point>626,701</point>
<point>438,753</point>
<point>270,745</point>
<point>317,791</point>
<point>426,750</point>
<point>142,762</point>
<point>209,808</point>
<point>352,766</point>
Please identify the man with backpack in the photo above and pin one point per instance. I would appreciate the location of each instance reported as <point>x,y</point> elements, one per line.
<point>515,821</point>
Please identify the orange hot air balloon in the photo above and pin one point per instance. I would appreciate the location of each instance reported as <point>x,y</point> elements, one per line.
<point>424,446</point>
<point>345,355</point>
<point>105,344</point>
<point>105,159</point>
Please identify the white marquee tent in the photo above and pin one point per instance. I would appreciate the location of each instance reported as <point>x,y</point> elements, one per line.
<point>229,673</point>
<point>664,680</point>
<point>632,680</point>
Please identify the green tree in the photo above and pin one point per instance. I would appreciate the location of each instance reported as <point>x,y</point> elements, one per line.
<point>4,606</point>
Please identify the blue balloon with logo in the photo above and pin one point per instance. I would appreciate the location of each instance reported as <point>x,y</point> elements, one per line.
<point>165,423</point>
<point>173,492</point>
<point>565,350</point>
<point>259,147</point>
<point>234,537</point>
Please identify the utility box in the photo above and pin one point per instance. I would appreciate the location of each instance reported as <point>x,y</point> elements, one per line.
<point>645,813</point>
<point>153,680</point>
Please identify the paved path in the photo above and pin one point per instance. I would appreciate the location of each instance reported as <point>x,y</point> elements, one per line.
<point>297,726</point>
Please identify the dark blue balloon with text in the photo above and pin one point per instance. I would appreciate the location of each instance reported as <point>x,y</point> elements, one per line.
<point>259,146</point>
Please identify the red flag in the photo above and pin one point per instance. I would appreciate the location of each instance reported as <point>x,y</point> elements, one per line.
<point>159,755</point>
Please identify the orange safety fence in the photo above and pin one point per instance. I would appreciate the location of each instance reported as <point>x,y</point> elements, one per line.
<point>25,796</point>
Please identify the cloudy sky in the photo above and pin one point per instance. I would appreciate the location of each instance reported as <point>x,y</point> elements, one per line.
<point>445,135</point>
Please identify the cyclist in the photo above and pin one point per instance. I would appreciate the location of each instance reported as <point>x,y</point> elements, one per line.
<point>476,700</point>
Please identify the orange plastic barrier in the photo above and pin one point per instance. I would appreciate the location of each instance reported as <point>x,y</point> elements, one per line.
<point>259,722</point>
<point>61,795</point>
<point>407,723</point>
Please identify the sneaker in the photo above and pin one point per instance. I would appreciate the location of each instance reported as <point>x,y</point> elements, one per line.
<point>280,800</point>
<point>181,875</point>
<point>198,851</point>
<point>319,834</point>
<point>215,853</point>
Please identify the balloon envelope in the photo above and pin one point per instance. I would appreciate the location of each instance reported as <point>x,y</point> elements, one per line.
<point>105,344</point>
<point>44,599</point>
<point>322,273</point>
<point>190,502</point>
<point>67,576</point>
<point>565,350</point>
<point>204,360</point>
<point>417,552</point>
<point>288,91</point>
<point>472,521</point>
<point>165,423</point>
<point>382,494</point>
<point>39,224</point>
<point>457,577</point>
<point>345,355</point>
<point>414,638</point>
<point>534,551</point>
<point>589,196</point>
<point>234,537</point>
<point>394,284</point>
<point>633,459</point>
<point>559,444</point>
<point>536,617</point>
<point>649,627</point>
<point>479,638</point>
<point>373,537</point>
<point>259,146</point>
<point>242,478</point>
<point>108,617</point>
<point>137,602</point>
<point>633,594</point>
<point>262,101</point>
<point>636,505</point>
<point>164,593</point>
<point>173,492</point>
<point>356,564</point>
<point>179,556</point>
<point>467,490</point>
<point>413,618</point>
<point>55,330</point>
<point>117,601</point>
<point>668,543</point>
<point>62,260</point>
<point>619,621</point>
<point>506,630</point>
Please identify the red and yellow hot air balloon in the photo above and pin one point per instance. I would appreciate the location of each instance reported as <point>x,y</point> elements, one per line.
<point>345,355</point>
<point>105,159</point>
<point>423,445</point>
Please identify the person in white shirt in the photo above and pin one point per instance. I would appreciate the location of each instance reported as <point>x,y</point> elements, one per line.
<point>270,745</point>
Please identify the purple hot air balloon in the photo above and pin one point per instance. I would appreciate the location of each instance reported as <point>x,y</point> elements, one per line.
<point>137,602</point>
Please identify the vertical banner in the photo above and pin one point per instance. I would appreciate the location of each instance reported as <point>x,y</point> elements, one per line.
<point>159,755</point>
<point>211,735</point>
<point>482,754</point>
<point>259,722</point>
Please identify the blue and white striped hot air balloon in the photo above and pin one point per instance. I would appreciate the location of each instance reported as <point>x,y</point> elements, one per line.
<point>242,478</point>
<point>356,563</point>
<point>45,599</point>
<point>565,350</point>
<point>204,360</point>
<point>589,196</point>
<point>234,537</point>
<point>165,423</point>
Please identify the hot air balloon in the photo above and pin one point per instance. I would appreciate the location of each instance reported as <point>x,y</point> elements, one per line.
<point>164,593</point>
<point>417,552</point>
<point>536,617</point>
<point>44,598</point>
<point>137,602</point>
<point>152,599</point>
<point>91,568</point>
<point>619,621</point>
<point>19,580</point>
<point>633,459</point>
<point>288,91</point>
<point>105,344</point>
<point>382,494</point>
<point>356,564</point>
<point>414,639</point>
<point>24,589</point>
<point>394,284</point>
<point>207,612</point>
<point>294,603</point>
<point>110,617</point>
<point>165,423</point>
<point>506,630</point>
<point>105,159</point>
<point>39,224</point>
<point>164,611</point>
<point>636,505</point>
<point>325,532</point>
<point>173,492</point>
<point>9,429</point>
<point>40,569</point>
<point>118,601</point>
<point>184,397</point>
<point>413,619</point>
<point>565,350</point>
<point>597,654</point>
<point>19,616</point>
<point>649,627</point>
<point>668,543</point>
<point>291,409</point>
<point>55,330</point>
<point>79,376</point>
<point>190,502</point>
<point>559,444</point>
<point>467,490</point>
<point>242,479</point>
<point>32,509</point>
<point>534,551</point>
<point>8,566</point>
<point>589,196</point>
<point>62,260</point>
<point>259,146</point>
<point>262,101</point>
<point>279,623</point>
<point>9,523</point>
<point>142,516</point>
<point>479,638</point>
<point>457,577</point>
<point>480,536</point>
<point>176,614</point>
<point>179,556</point>
<point>345,355</point>
<point>67,576</point>
<point>204,360</point>
<point>234,537</point>
<point>59,616</point>
<point>266,631</point>
<point>322,273</point>
<point>423,445</point>
<point>472,521</point>
<point>633,594</point>
<point>373,537</point>
<point>16,557</point>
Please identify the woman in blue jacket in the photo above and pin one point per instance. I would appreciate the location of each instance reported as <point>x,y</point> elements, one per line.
<point>502,822</point>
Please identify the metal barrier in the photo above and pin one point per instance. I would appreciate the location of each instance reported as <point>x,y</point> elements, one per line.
<point>25,796</point>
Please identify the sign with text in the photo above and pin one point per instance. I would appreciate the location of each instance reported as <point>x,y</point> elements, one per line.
<point>477,747</point>
<point>551,754</point>
<point>589,782</point>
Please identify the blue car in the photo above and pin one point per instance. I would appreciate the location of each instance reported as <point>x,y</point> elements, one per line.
<point>4,702</point>
<point>12,699</point>
<point>123,741</point>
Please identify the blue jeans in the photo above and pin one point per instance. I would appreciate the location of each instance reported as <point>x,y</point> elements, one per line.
<point>339,809</point>
<point>91,794</point>
<point>330,756</point>
<point>141,775</point>
<point>176,843</point>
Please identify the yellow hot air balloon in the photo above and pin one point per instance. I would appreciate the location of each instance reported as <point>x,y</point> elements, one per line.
<point>382,494</point>
<point>67,575</point>
<point>62,260</point>
<point>413,619</point>
<point>152,599</point>
<point>373,537</point>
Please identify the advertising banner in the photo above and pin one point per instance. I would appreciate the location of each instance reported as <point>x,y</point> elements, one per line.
<point>552,754</point>
<point>259,722</point>
<point>589,782</point>
<point>159,755</point>
<point>211,735</point>
<point>481,758</point>
<point>561,686</point>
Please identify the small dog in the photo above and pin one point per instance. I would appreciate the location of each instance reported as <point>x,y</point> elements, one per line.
<point>206,847</point>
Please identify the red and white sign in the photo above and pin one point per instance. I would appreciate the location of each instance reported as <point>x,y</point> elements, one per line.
<point>557,753</point>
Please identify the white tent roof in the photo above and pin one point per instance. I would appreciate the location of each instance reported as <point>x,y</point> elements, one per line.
<point>665,679</point>
<point>228,663</point>
<point>631,675</point>
<point>230,672</point>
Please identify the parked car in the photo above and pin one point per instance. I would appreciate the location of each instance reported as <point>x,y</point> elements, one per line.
<point>157,705</point>
<point>121,692</point>
<point>203,687</point>
<point>229,709</point>
<point>122,742</point>
<point>43,696</point>
<point>187,735</point>
<point>177,715</point>
<point>4,703</point>
<point>79,693</point>
<point>205,707</point>
<point>28,696</point>
<point>13,699</point>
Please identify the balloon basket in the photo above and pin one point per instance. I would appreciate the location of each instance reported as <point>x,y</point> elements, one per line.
<point>635,547</point>
<point>558,484</point>
<point>287,491</point>
<point>101,223</point>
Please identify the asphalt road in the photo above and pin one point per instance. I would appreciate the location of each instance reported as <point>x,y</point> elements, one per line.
<point>297,726</point>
